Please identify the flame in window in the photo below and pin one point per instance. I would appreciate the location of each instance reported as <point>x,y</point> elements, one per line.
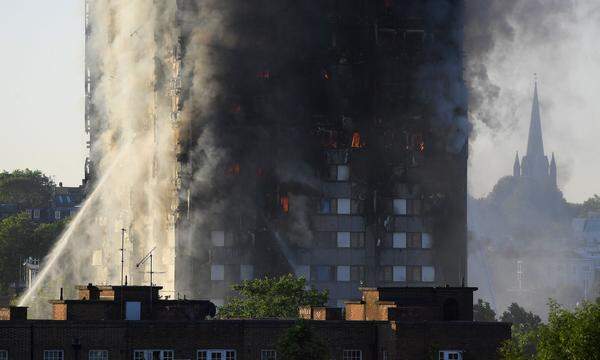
<point>356,141</point>
<point>233,170</point>
<point>265,74</point>
<point>284,201</point>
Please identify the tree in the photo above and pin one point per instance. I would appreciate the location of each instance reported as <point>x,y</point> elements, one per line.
<point>21,237</point>
<point>591,205</point>
<point>271,298</point>
<point>300,343</point>
<point>26,188</point>
<point>482,311</point>
<point>520,318</point>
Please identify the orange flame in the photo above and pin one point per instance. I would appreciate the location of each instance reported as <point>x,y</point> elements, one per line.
<point>284,201</point>
<point>356,143</point>
<point>233,170</point>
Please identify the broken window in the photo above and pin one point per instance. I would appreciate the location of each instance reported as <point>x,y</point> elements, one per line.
<point>414,241</point>
<point>325,206</point>
<point>413,273</point>
<point>357,273</point>
<point>356,141</point>
<point>414,207</point>
<point>357,240</point>
<point>387,274</point>
<point>284,202</point>
<point>399,240</point>
<point>343,273</point>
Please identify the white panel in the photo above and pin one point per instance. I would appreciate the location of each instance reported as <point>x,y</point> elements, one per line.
<point>343,239</point>
<point>399,206</point>
<point>246,272</point>
<point>427,241</point>
<point>303,271</point>
<point>97,258</point>
<point>343,206</point>
<point>428,273</point>
<point>399,273</point>
<point>343,173</point>
<point>399,240</point>
<point>343,273</point>
<point>217,237</point>
<point>217,272</point>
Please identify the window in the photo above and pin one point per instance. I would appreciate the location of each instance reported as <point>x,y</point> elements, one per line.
<point>268,355</point>
<point>399,273</point>
<point>450,355</point>
<point>357,273</point>
<point>399,206</point>
<point>428,273</point>
<point>399,240</point>
<point>3,355</point>
<point>246,272</point>
<point>322,273</point>
<point>384,355</point>
<point>426,240</point>
<point>303,271</point>
<point>153,355</point>
<point>413,273</point>
<point>217,272</point>
<point>133,310</point>
<point>57,215</point>
<point>36,213</point>
<point>352,355</point>
<point>413,241</point>
<point>325,206</point>
<point>343,206</point>
<point>343,273</point>
<point>343,239</point>
<point>387,274</point>
<point>54,355</point>
<point>343,173</point>
<point>217,237</point>
<point>215,354</point>
<point>98,355</point>
<point>357,240</point>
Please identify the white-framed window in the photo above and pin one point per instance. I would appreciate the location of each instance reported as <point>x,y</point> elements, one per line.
<point>3,354</point>
<point>268,355</point>
<point>399,240</point>
<point>343,239</point>
<point>36,213</point>
<point>98,355</point>
<point>450,355</point>
<point>427,273</point>
<point>217,272</point>
<point>303,271</point>
<point>384,355</point>
<point>343,206</point>
<point>54,355</point>
<point>153,355</point>
<point>426,241</point>
<point>217,237</point>
<point>216,354</point>
<point>246,272</point>
<point>343,273</point>
<point>57,215</point>
<point>29,212</point>
<point>343,173</point>
<point>352,355</point>
<point>399,206</point>
<point>399,273</point>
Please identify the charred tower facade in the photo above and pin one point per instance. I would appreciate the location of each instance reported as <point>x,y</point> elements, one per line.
<point>335,147</point>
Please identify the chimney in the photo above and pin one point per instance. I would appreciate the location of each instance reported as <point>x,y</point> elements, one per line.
<point>13,313</point>
<point>61,294</point>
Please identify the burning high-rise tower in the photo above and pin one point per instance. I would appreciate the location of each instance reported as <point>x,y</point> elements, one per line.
<point>323,138</point>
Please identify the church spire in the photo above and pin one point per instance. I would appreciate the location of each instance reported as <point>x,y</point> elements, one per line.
<point>517,166</point>
<point>553,172</point>
<point>535,144</point>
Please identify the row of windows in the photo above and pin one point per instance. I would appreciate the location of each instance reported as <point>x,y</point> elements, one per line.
<point>347,239</point>
<point>58,214</point>
<point>209,354</point>
<point>340,273</point>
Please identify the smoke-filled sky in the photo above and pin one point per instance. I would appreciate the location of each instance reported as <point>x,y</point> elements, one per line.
<point>41,87</point>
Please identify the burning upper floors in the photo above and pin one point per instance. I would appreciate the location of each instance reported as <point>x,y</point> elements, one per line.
<point>324,138</point>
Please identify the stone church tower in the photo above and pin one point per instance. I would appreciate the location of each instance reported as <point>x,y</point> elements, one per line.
<point>535,164</point>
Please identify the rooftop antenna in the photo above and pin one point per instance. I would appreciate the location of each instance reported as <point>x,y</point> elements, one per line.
<point>122,249</point>
<point>146,258</point>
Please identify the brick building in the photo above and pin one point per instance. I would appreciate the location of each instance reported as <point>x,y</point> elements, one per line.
<point>387,323</point>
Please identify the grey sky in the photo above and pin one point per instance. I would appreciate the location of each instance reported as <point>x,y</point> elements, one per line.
<point>41,92</point>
